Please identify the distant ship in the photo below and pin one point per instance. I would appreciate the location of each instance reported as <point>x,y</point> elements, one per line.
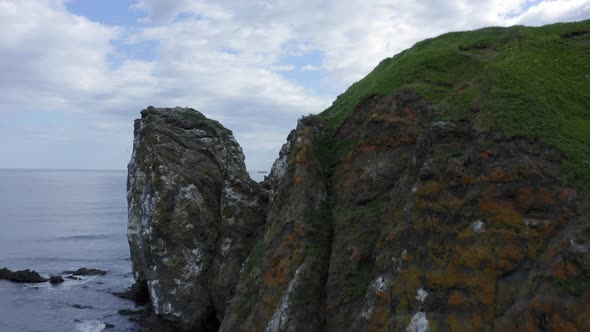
<point>262,172</point>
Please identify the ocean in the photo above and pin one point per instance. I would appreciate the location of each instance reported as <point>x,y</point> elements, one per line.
<point>57,220</point>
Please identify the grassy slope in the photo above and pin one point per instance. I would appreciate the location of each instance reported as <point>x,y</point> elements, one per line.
<point>524,81</point>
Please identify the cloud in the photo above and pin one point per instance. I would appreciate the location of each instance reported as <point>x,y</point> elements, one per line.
<point>46,52</point>
<point>73,84</point>
<point>555,11</point>
<point>310,68</point>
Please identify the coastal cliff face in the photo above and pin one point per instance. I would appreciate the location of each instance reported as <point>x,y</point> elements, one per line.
<point>396,222</point>
<point>396,211</point>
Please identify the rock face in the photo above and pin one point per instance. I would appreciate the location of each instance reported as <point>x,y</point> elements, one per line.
<point>434,195</point>
<point>392,221</point>
<point>194,214</point>
<point>397,222</point>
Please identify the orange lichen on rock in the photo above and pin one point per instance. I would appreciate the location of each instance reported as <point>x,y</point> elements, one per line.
<point>276,274</point>
<point>379,320</point>
<point>499,175</point>
<point>429,188</point>
<point>457,298</point>
<point>563,270</point>
<point>485,155</point>
<point>510,256</point>
<point>498,210</point>
<point>529,196</point>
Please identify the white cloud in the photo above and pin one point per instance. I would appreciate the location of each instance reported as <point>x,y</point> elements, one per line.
<point>310,68</point>
<point>46,51</point>
<point>555,11</point>
<point>226,58</point>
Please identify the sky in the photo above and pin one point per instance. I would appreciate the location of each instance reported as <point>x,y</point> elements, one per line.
<point>76,73</point>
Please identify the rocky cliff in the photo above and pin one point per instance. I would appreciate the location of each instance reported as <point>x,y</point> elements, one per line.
<point>414,203</point>
<point>194,214</point>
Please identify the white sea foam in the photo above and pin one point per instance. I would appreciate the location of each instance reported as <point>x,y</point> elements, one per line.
<point>90,326</point>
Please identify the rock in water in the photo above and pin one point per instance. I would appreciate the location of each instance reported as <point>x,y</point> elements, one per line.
<point>194,214</point>
<point>138,292</point>
<point>86,272</point>
<point>56,280</point>
<point>23,276</point>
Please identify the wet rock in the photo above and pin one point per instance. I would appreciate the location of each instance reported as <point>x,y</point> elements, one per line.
<point>79,306</point>
<point>56,280</point>
<point>137,293</point>
<point>129,312</point>
<point>23,276</point>
<point>86,272</point>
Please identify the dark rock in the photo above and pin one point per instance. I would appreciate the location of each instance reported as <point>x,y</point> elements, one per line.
<point>109,325</point>
<point>137,293</point>
<point>72,278</point>
<point>79,306</point>
<point>56,280</point>
<point>24,276</point>
<point>129,312</point>
<point>86,272</point>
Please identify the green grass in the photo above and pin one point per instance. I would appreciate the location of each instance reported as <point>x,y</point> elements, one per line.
<point>359,281</point>
<point>256,256</point>
<point>244,307</point>
<point>523,81</point>
<point>191,114</point>
<point>576,286</point>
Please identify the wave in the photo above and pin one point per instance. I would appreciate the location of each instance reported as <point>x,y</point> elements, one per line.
<point>91,326</point>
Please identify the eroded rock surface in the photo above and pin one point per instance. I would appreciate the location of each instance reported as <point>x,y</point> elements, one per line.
<point>194,214</point>
<point>396,220</point>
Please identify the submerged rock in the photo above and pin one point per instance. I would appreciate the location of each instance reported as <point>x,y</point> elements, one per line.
<point>56,280</point>
<point>79,306</point>
<point>23,276</point>
<point>86,272</point>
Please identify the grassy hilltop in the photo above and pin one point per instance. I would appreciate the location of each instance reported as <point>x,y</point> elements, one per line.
<point>524,81</point>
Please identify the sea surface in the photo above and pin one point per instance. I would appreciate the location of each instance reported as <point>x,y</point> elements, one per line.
<point>53,221</point>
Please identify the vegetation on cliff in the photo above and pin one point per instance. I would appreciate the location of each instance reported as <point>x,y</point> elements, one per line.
<point>525,81</point>
<point>432,196</point>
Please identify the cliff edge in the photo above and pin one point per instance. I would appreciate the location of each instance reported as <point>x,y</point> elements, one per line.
<point>446,191</point>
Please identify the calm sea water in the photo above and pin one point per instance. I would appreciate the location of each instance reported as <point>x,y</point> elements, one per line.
<point>52,221</point>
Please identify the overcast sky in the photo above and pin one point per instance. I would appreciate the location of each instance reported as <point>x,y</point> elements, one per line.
<point>75,73</point>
